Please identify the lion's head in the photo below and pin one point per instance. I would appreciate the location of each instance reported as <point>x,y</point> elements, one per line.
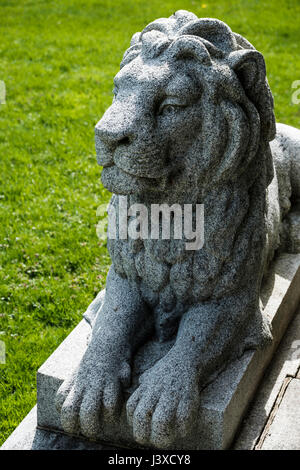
<point>192,108</point>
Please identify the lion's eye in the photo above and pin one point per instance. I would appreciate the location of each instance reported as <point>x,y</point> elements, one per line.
<point>170,106</point>
<point>168,109</point>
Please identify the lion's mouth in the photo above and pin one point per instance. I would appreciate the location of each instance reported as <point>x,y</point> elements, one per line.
<point>119,181</point>
<point>142,172</point>
<point>146,165</point>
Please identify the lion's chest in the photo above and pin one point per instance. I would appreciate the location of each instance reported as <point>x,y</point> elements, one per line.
<point>156,282</point>
<point>172,278</point>
<point>168,288</point>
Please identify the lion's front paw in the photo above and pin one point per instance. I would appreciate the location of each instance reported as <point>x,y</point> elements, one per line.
<point>93,394</point>
<point>165,404</point>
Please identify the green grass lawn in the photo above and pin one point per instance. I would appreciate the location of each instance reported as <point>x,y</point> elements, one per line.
<point>57,59</point>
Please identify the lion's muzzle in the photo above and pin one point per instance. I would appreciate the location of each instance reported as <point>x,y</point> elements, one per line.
<point>122,140</point>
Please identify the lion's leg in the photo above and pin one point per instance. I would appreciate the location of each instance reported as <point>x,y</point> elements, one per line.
<point>215,333</point>
<point>209,336</point>
<point>95,387</point>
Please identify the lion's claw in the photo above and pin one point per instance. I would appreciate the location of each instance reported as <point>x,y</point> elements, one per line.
<point>91,395</point>
<point>163,406</point>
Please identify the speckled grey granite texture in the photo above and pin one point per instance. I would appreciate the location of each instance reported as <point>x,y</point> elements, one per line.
<point>28,437</point>
<point>191,122</point>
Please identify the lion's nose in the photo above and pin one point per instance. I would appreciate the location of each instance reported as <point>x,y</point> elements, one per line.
<point>113,138</point>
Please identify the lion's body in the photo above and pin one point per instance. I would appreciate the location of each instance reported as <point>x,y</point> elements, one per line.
<point>171,278</point>
<point>286,154</point>
<point>284,190</point>
<point>192,122</point>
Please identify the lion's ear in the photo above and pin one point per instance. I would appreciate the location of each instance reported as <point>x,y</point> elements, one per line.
<point>249,65</point>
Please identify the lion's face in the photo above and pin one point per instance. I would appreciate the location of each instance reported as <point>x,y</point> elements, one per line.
<point>143,138</point>
<point>182,116</point>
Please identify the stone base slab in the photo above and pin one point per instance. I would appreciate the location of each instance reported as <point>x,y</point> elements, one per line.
<point>284,367</point>
<point>284,431</point>
<point>28,437</point>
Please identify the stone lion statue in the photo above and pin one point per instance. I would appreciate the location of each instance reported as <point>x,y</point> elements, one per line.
<point>191,122</point>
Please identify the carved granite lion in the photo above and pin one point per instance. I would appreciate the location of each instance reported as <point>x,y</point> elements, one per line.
<point>191,122</point>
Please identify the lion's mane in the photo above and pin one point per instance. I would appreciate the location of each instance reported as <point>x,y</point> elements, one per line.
<point>238,169</point>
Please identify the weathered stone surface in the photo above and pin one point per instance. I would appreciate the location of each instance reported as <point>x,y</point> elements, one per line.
<point>285,363</point>
<point>28,437</point>
<point>191,123</point>
<point>223,402</point>
<point>60,364</point>
<point>284,432</point>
